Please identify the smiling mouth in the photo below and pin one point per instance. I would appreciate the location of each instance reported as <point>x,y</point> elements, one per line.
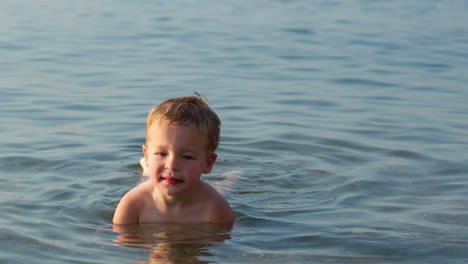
<point>170,180</point>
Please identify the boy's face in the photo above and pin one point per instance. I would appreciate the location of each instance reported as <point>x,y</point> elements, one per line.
<point>176,156</point>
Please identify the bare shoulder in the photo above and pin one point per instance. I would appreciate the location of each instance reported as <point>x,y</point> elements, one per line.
<point>129,208</point>
<point>219,209</point>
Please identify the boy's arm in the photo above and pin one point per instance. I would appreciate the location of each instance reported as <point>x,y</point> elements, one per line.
<point>127,212</point>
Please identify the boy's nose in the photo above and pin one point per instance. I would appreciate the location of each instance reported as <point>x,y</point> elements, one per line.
<point>171,164</point>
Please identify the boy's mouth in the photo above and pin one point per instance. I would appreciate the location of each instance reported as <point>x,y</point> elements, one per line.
<point>170,180</point>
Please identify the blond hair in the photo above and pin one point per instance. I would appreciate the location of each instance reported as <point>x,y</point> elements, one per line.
<point>185,111</point>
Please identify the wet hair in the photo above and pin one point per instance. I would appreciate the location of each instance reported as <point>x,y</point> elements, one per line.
<point>185,111</point>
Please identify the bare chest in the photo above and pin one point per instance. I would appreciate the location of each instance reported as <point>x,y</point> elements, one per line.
<point>195,213</point>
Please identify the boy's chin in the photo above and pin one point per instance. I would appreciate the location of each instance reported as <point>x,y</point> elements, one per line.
<point>171,190</point>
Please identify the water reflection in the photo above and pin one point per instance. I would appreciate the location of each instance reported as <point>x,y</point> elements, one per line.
<point>173,242</point>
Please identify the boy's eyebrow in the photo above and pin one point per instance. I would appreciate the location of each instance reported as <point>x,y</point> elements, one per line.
<point>159,147</point>
<point>185,149</point>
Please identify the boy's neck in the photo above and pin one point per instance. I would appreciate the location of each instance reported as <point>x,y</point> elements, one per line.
<point>168,202</point>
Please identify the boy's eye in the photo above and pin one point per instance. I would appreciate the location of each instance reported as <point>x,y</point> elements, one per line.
<point>161,154</point>
<point>187,157</point>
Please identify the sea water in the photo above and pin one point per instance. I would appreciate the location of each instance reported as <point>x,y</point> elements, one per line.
<point>344,123</point>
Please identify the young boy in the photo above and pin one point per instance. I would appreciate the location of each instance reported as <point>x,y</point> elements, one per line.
<point>182,135</point>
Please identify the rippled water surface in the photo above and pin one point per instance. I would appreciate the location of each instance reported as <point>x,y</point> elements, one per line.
<point>345,123</point>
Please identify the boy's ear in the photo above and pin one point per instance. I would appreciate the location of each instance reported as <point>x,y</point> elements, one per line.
<point>145,152</point>
<point>210,161</point>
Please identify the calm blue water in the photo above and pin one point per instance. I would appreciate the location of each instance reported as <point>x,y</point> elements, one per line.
<point>345,121</point>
